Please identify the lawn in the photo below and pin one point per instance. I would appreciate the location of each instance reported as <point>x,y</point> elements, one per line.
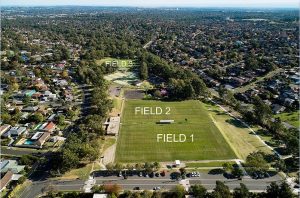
<point>291,118</point>
<point>237,135</point>
<point>138,135</point>
<point>206,164</point>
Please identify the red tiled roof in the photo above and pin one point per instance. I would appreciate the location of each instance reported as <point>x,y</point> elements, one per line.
<point>50,126</point>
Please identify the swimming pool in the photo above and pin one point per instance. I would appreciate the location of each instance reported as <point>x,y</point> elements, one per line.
<point>28,142</point>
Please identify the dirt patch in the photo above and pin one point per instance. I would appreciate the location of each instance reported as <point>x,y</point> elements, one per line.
<point>114,91</point>
<point>134,94</point>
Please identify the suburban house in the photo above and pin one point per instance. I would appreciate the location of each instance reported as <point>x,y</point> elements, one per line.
<point>10,165</point>
<point>30,109</point>
<point>15,131</point>
<point>5,180</point>
<point>48,127</point>
<point>42,139</point>
<point>4,128</point>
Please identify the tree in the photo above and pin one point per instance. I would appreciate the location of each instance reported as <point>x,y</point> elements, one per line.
<point>61,119</point>
<point>262,112</point>
<point>28,160</point>
<point>285,191</point>
<point>64,74</point>
<point>182,171</point>
<point>241,192</point>
<point>255,162</point>
<point>273,190</point>
<point>26,100</point>
<point>21,180</point>
<point>237,172</point>
<point>179,191</point>
<point>69,160</point>
<point>5,117</point>
<point>144,71</point>
<point>15,86</point>
<point>198,191</point>
<point>227,166</point>
<point>280,165</point>
<point>157,94</point>
<point>156,194</point>
<point>292,141</point>
<point>37,117</point>
<point>112,188</point>
<point>221,190</point>
<point>146,194</point>
<point>97,188</point>
<point>277,128</point>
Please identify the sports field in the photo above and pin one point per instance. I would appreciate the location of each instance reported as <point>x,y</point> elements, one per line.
<point>138,137</point>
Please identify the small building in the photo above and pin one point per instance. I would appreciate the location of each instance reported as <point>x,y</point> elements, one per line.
<point>112,126</point>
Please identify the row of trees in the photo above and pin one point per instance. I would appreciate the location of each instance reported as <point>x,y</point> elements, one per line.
<point>220,191</point>
<point>82,143</point>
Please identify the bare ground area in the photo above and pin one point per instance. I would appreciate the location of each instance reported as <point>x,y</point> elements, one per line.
<point>134,94</point>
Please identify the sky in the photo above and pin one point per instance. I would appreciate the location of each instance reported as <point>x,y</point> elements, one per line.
<point>158,3</point>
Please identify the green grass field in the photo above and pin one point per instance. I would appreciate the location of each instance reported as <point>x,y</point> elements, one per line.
<point>291,118</point>
<point>138,136</point>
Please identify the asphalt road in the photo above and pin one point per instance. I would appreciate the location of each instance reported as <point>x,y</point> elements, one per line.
<point>37,188</point>
<point>207,180</point>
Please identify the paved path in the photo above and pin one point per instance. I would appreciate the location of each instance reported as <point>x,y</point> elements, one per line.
<point>109,154</point>
<point>248,86</point>
<point>249,128</point>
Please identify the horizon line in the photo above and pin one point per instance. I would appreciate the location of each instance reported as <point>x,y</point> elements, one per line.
<point>162,6</point>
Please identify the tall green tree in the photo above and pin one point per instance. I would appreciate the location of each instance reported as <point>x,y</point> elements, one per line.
<point>221,190</point>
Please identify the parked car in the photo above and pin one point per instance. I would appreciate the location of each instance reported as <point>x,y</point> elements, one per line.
<point>156,188</point>
<point>267,174</point>
<point>136,188</point>
<point>255,176</point>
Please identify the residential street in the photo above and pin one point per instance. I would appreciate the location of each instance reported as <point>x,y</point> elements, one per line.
<point>207,180</point>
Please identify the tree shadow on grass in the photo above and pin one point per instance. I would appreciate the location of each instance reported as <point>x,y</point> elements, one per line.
<point>216,171</point>
<point>236,123</point>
